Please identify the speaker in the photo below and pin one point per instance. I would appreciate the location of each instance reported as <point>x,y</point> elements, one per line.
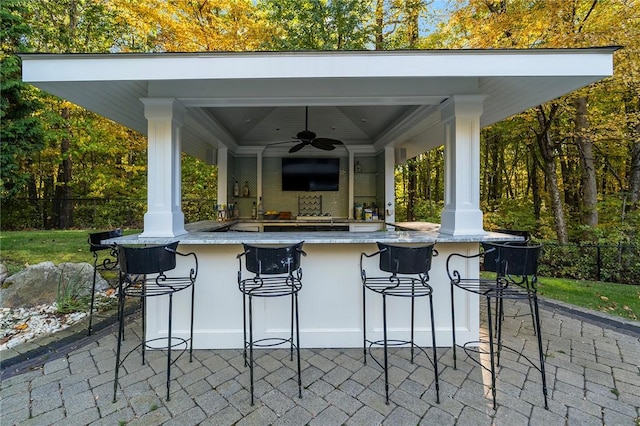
<point>212,157</point>
<point>401,155</point>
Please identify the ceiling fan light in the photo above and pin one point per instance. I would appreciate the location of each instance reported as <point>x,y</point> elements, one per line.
<point>306,135</point>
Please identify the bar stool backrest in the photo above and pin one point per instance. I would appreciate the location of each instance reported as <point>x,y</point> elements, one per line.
<point>272,260</point>
<point>518,258</point>
<point>405,259</point>
<point>489,256</point>
<point>95,239</point>
<point>148,260</point>
<point>517,232</point>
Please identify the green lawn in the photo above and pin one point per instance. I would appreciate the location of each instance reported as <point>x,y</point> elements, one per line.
<point>615,299</point>
<point>21,248</point>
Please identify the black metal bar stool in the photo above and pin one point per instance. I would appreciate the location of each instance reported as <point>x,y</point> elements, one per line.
<point>516,267</point>
<point>105,259</point>
<point>143,275</point>
<point>409,275</point>
<point>489,264</point>
<point>274,272</point>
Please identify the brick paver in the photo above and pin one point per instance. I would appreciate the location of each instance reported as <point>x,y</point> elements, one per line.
<point>593,375</point>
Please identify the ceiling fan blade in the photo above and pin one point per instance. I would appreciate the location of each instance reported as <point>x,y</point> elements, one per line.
<point>329,141</point>
<point>281,142</point>
<point>297,148</point>
<point>321,145</point>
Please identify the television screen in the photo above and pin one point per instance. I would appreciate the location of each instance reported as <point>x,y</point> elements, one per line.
<point>310,174</point>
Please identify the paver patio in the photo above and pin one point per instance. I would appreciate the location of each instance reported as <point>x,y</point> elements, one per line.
<point>593,375</point>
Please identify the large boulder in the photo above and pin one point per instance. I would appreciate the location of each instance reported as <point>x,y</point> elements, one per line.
<point>39,284</point>
<point>3,273</point>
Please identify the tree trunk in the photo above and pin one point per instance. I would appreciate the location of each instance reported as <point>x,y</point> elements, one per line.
<point>413,17</point>
<point>632,108</point>
<point>49,219</point>
<point>547,150</point>
<point>411,189</point>
<point>634,174</point>
<point>427,182</point>
<point>36,206</point>
<point>570,187</point>
<point>63,197</point>
<point>437,193</point>
<point>535,186</point>
<point>585,148</point>
<point>504,182</point>
<point>379,25</point>
<point>494,180</point>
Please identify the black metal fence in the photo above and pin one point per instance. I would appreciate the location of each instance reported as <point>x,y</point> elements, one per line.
<point>92,213</point>
<point>619,263</point>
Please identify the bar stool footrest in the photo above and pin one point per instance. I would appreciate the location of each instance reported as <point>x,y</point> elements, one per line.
<point>179,341</point>
<point>399,286</point>
<point>489,288</point>
<point>395,343</point>
<point>469,350</point>
<point>152,288</point>
<point>270,342</point>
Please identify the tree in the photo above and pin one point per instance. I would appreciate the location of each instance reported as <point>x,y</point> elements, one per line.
<point>68,26</point>
<point>190,25</point>
<point>586,133</point>
<point>318,24</point>
<point>548,148</point>
<point>585,147</point>
<point>632,107</point>
<point>21,133</point>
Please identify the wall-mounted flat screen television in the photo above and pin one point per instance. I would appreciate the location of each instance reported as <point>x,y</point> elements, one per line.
<point>310,174</point>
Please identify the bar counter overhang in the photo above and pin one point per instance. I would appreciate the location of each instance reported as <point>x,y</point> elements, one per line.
<point>331,298</point>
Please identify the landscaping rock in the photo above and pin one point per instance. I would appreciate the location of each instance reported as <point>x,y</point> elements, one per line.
<point>39,284</point>
<point>3,273</point>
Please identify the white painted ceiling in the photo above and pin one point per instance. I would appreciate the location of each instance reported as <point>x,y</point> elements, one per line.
<point>369,100</point>
<point>262,125</point>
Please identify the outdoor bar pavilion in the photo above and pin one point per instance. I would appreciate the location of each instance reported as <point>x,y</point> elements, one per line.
<point>234,109</point>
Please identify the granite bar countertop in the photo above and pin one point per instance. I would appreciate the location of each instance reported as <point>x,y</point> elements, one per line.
<point>317,237</point>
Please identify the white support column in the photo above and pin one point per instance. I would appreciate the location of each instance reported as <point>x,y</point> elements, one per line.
<point>461,121</point>
<point>351,179</point>
<point>259,183</point>
<point>389,184</point>
<point>223,174</point>
<point>164,217</point>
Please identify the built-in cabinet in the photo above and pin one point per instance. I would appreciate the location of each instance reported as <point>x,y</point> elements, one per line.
<point>365,185</point>
<point>244,173</point>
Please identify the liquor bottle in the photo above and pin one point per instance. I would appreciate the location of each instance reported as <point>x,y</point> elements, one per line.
<point>236,189</point>
<point>245,189</point>
<point>260,209</point>
<point>253,210</point>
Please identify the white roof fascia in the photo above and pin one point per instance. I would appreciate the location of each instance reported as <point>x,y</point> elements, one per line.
<point>445,63</point>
